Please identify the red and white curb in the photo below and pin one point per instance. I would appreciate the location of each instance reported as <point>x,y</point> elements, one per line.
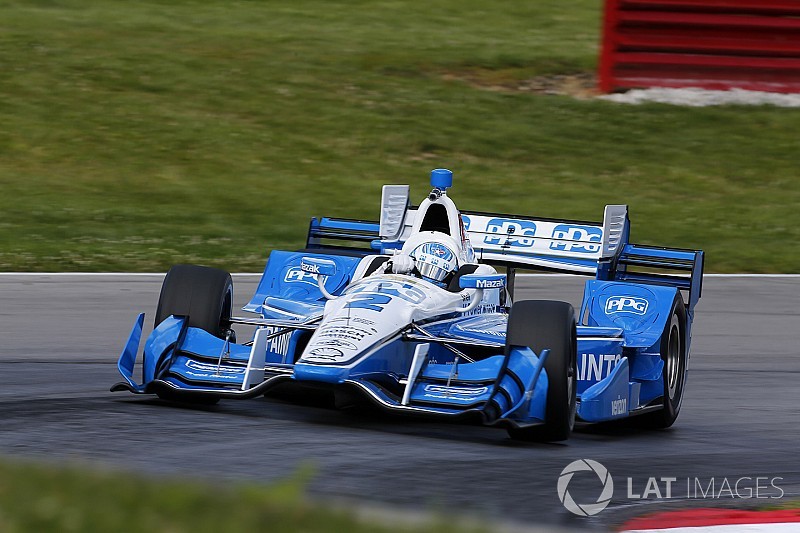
<point>716,521</point>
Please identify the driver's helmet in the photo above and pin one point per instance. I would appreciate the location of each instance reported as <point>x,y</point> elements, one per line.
<point>435,261</point>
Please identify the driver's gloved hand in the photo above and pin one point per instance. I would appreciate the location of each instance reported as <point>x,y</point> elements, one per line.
<point>402,264</point>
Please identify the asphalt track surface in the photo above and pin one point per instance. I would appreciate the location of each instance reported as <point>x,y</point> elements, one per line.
<point>61,336</point>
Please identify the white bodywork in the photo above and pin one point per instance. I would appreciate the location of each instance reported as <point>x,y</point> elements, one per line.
<point>378,307</point>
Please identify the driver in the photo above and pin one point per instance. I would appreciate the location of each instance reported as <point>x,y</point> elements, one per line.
<point>433,260</point>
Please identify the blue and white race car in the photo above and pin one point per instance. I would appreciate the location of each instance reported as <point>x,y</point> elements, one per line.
<point>410,313</point>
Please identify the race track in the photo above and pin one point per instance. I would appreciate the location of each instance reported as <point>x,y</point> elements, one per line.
<point>61,336</point>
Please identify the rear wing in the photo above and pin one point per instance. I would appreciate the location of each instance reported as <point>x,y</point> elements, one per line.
<point>599,249</point>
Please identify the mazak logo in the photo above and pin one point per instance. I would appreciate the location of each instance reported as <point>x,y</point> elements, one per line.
<point>585,509</point>
<point>308,267</point>
<point>578,239</point>
<point>626,304</point>
<point>488,283</point>
<point>298,275</point>
<point>508,232</point>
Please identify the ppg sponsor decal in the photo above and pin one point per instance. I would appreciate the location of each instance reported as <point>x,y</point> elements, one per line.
<point>626,304</point>
<point>578,239</point>
<point>509,232</point>
<point>299,275</point>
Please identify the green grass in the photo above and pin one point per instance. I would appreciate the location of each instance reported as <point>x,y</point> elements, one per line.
<point>134,135</point>
<point>48,498</point>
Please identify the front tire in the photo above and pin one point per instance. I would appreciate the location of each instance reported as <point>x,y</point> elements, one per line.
<point>203,294</point>
<point>541,324</point>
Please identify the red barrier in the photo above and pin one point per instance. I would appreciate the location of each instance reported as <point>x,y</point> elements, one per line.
<point>713,44</point>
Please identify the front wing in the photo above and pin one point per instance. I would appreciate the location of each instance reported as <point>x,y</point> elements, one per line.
<point>180,362</point>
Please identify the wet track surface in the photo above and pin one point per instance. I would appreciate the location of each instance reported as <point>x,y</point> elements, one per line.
<point>61,336</point>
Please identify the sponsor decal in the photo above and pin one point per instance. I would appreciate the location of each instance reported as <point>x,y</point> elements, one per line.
<point>280,344</point>
<point>298,275</point>
<point>456,391</point>
<point>324,354</point>
<point>619,406</point>
<point>626,304</point>
<point>348,333</point>
<point>489,283</point>
<point>594,367</point>
<point>338,343</point>
<point>204,370</point>
<point>205,367</point>
<point>577,239</point>
<point>309,267</point>
<point>509,232</point>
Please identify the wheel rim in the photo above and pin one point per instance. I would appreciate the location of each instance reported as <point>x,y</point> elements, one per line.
<point>673,360</point>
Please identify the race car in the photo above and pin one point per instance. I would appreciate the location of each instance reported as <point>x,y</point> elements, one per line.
<point>411,314</point>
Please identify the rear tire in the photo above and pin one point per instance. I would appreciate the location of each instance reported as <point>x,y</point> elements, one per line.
<point>675,357</point>
<point>203,294</point>
<point>541,324</point>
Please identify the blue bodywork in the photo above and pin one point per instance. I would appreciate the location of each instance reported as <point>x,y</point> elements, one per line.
<point>626,305</point>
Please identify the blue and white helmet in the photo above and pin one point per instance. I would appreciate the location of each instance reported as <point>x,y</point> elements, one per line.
<point>435,261</point>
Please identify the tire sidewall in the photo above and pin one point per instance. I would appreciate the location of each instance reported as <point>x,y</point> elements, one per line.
<point>203,294</point>
<point>672,404</point>
<point>544,324</point>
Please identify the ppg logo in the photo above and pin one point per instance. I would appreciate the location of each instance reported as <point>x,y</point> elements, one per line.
<point>297,275</point>
<point>507,232</point>
<point>626,304</point>
<point>580,239</point>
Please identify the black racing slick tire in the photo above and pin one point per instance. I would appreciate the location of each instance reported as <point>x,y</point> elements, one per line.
<point>675,355</point>
<point>203,294</point>
<point>541,324</point>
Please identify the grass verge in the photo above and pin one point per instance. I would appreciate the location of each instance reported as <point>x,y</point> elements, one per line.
<point>140,134</point>
<point>46,498</point>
